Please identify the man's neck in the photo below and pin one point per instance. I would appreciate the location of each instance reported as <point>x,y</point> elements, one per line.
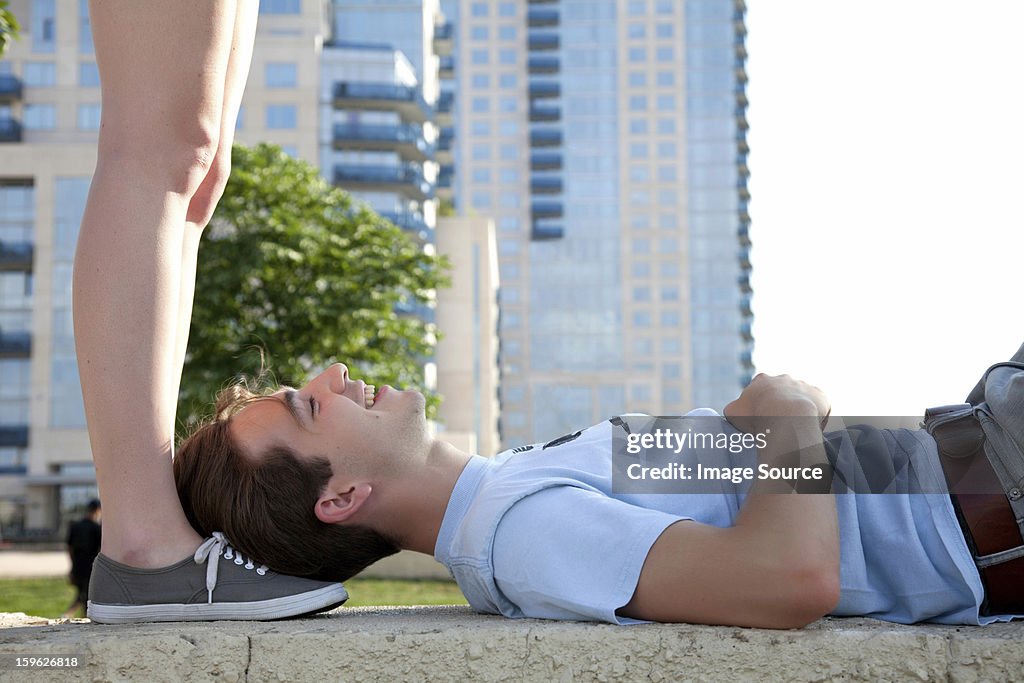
<point>418,502</point>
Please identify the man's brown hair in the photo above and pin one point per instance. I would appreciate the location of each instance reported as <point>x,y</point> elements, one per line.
<point>263,502</point>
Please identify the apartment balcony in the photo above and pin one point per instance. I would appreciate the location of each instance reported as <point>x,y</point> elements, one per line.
<point>746,331</point>
<point>542,89</point>
<point>744,282</point>
<point>444,108</point>
<point>415,310</point>
<point>537,42</point>
<point>446,67</point>
<point>542,2</point>
<point>445,147</point>
<point>541,17</point>
<point>546,230</point>
<point>406,179</point>
<point>543,64</point>
<point>545,161</point>
<point>548,209</point>
<point>406,140</point>
<point>411,223</point>
<point>15,344</point>
<point>10,130</point>
<point>747,359</point>
<point>13,436</point>
<point>745,309</point>
<point>545,113</point>
<point>744,258</point>
<point>744,212</point>
<point>545,185</point>
<point>10,89</point>
<point>16,256</point>
<point>444,38</point>
<point>446,181</point>
<point>407,101</point>
<point>545,137</point>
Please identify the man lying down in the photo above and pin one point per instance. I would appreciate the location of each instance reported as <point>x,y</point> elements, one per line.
<point>325,480</point>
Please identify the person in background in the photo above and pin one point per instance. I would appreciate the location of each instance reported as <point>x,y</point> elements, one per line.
<point>83,546</point>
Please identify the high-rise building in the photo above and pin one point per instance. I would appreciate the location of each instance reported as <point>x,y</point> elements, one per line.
<point>607,140</point>
<point>361,111</point>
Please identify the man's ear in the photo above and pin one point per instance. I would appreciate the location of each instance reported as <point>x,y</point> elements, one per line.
<point>334,507</point>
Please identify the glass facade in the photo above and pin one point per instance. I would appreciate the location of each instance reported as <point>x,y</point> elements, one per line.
<point>17,225</point>
<point>714,62</point>
<point>66,409</point>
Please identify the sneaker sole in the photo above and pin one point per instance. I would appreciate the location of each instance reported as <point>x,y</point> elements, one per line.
<point>284,607</point>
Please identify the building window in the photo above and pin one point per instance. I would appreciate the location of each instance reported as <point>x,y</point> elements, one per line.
<point>478,56</point>
<point>637,8</point>
<point>481,127</point>
<point>507,56</point>
<point>666,126</point>
<point>479,33</point>
<point>641,246</point>
<point>670,318</point>
<point>481,175</point>
<point>666,150</point>
<point>479,9</point>
<point>666,103</point>
<point>84,28</point>
<point>637,31</point>
<point>40,117</point>
<point>480,200</point>
<point>481,152</point>
<point>481,105</point>
<point>638,126</point>
<point>507,104</point>
<point>44,25</point>
<point>507,80</point>
<point>88,75</point>
<point>88,117</point>
<point>641,269</point>
<point>639,174</point>
<point>663,6</point>
<point>667,174</point>
<point>282,116</point>
<point>665,54</point>
<point>40,74</point>
<point>507,9</point>
<point>282,74</point>
<point>638,150</point>
<point>641,294</point>
<point>638,102</point>
<point>509,224</point>
<point>508,128</point>
<point>481,81</point>
<point>280,6</point>
<point>637,55</point>
<point>290,150</point>
<point>509,152</point>
<point>666,78</point>
<point>637,78</point>
<point>663,30</point>
<point>510,175</point>
<point>506,32</point>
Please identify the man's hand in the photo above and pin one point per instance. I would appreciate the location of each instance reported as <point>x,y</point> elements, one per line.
<point>777,396</point>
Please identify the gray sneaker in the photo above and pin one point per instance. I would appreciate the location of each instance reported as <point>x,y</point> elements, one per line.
<point>120,594</point>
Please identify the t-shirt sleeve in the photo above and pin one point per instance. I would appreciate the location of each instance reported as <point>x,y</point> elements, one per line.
<point>571,553</point>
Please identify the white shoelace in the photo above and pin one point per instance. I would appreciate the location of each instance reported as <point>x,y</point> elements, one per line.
<point>217,545</point>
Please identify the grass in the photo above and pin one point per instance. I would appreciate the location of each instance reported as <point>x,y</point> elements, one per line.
<point>49,597</point>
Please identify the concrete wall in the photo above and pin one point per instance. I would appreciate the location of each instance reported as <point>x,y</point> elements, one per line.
<point>453,644</point>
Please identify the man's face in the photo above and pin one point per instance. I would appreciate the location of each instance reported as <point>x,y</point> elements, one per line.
<point>331,417</point>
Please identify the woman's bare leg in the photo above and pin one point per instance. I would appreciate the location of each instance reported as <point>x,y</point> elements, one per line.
<point>163,68</point>
<point>201,208</point>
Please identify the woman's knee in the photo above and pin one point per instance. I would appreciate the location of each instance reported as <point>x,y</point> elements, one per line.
<point>204,201</point>
<point>177,157</point>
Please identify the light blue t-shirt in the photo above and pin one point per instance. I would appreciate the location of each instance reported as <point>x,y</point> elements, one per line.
<point>537,532</point>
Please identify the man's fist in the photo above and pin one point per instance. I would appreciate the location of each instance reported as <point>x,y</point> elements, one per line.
<point>777,396</point>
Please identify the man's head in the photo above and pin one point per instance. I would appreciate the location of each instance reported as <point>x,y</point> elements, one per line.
<point>289,476</point>
<point>94,510</point>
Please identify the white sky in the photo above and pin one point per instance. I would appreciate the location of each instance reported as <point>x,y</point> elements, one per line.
<point>886,184</point>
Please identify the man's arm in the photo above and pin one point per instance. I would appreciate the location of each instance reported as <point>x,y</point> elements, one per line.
<point>778,567</point>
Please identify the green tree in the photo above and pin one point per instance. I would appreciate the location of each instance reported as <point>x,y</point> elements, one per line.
<point>293,267</point>
<point>8,27</point>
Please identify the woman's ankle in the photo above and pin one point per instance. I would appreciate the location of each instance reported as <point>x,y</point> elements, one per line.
<point>152,552</point>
